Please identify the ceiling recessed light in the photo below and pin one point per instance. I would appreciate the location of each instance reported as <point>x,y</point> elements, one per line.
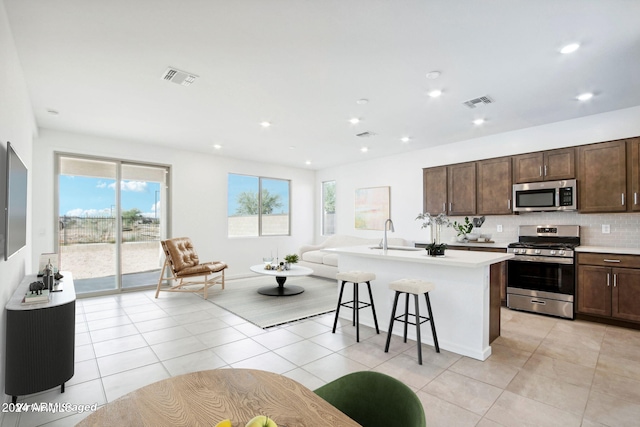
<point>265,124</point>
<point>217,146</point>
<point>405,139</point>
<point>570,48</point>
<point>364,149</point>
<point>292,147</point>
<point>354,120</point>
<point>432,75</point>
<point>478,121</point>
<point>584,96</point>
<point>308,162</point>
<point>362,101</point>
<point>435,93</point>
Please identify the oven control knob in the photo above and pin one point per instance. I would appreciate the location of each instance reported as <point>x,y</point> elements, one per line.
<point>537,252</point>
<point>552,252</point>
<point>561,252</point>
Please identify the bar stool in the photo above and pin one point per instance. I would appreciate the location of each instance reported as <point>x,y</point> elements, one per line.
<point>415,287</point>
<point>356,277</point>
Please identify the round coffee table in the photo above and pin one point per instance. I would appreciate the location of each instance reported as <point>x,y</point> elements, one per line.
<point>281,277</point>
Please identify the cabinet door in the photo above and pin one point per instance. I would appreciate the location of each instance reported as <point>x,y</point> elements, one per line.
<point>626,294</point>
<point>559,164</point>
<point>461,189</point>
<point>634,173</point>
<point>434,188</point>
<point>528,168</point>
<point>494,186</point>
<point>594,290</point>
<point>602,177</point>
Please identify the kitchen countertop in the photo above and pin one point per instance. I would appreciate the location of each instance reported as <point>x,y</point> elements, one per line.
<point>499,245</point>
<point>468,259</point>
<point>609,250</point>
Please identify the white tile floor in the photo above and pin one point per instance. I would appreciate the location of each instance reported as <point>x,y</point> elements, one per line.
<point>543,371</point>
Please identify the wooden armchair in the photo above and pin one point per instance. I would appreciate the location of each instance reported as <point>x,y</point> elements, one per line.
<point>186,270</point>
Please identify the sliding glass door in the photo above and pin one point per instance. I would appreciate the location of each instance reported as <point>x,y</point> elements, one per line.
<point>112,216</point>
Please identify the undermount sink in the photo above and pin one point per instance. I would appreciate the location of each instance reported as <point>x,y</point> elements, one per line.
<point>398,248</point>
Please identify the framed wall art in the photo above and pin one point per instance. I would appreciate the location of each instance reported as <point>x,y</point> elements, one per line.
<point>372,208</point>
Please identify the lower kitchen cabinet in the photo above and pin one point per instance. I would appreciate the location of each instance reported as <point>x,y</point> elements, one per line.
<point>608,291</point>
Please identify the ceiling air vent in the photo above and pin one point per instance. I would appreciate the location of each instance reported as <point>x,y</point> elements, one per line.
<point>473,103</point>
<point>365,134</point>
<point>178,77</point>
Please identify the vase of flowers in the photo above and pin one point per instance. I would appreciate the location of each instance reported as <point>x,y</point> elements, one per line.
<point>435,222</point>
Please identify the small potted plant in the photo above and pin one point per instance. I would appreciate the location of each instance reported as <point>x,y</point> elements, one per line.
<point>290,259</point>
<point>463,228</point>
<point>436,249</point>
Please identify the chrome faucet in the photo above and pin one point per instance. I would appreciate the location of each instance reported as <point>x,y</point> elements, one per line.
<point>385,246</point>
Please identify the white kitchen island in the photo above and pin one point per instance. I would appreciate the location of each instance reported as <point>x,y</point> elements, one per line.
<point>465,302</point>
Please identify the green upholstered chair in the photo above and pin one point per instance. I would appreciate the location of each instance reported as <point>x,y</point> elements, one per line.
<point>374,399</point>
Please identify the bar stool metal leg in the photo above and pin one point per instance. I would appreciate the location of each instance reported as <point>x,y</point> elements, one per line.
<point>418,323</point>
<point>393,318</point>
<point>373,308</point>
<point>406,315</point>
<point>356,309</point>
<point>335,321</point>
<point>433,325</point>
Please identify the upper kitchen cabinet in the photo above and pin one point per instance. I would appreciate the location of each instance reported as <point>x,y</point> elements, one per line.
<point>450,189</point>
<point>434,188</point>
<point>461,189</point>
<point>633,169</point>
<point>550,165</point>
<point>602,177</point>
<point>494,186</point>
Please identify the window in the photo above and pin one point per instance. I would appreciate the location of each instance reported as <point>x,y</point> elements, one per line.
<point>258,206</point>
<point>328,208</point>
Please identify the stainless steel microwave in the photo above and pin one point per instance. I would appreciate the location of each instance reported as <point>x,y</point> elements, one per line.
<point>545,196</point>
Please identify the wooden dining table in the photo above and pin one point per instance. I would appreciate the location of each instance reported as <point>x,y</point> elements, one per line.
<point>204,398</point>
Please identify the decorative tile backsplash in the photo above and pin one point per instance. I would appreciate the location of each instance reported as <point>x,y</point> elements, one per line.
<point>624,227</point>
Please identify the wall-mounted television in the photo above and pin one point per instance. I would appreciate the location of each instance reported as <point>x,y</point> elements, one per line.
<point>16,204</point>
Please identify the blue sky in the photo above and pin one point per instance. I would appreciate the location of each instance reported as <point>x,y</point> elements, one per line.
<point>239,183</point>
<point>83,196</point>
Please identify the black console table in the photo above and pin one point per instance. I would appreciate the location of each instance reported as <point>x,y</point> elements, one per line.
<point>40,340</point>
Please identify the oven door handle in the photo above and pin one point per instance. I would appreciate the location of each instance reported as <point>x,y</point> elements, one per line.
<point>537,301</point>
<point>543,259</point>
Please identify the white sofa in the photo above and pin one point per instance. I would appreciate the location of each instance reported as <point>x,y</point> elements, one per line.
<point>325,264</point>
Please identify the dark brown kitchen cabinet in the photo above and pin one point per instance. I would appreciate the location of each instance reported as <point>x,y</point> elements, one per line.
<point>609,286</point>
<point>633,169</point>
<point>494,186</point>
<point>461,189</point>
<point>602,177</point>
<point>450,189</point>
<point>550,165</point>
<point>434,185</point>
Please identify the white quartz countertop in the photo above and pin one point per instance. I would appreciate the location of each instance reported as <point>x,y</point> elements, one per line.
<point>453,258</point>
<point>609,250</point>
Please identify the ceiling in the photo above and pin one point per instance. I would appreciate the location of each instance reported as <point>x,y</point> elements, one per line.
<point>302,65</point>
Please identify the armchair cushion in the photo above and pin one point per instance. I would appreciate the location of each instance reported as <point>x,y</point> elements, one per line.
<point>182,253</point>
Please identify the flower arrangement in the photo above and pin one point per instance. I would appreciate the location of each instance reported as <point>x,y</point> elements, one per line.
<point>291,258</point>
<point>435,222</point>
<point>428,219</point>
<point>436,249</point>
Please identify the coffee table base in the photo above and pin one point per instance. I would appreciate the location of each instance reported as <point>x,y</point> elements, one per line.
<point>280,290</point>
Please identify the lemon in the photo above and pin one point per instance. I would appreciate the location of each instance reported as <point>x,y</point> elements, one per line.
<point>224,423</point>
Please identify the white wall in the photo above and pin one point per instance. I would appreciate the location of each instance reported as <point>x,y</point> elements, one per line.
<point>17,126</point>
<point>198,194</point>
<point>403,173</point>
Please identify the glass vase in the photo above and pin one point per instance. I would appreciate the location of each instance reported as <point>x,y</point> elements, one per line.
<point>435,233</point>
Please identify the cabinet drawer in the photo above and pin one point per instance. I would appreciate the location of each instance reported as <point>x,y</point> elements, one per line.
<point>609,260</point>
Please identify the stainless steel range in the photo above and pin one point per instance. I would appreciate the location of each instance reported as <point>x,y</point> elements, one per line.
<point>542,274</point>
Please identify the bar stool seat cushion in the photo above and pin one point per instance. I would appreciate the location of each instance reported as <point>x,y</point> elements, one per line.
<point>412,286</point>
<point>355,276</point>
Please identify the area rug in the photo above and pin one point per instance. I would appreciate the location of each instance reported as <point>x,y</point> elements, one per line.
<point>240,297</point>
